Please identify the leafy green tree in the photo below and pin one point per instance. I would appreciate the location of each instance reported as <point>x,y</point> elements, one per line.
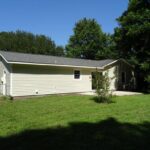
<point>59,51</point>
<point>26,42</point>
<point>108,49</point>
<point>133,37</point>
<point>87,40</point>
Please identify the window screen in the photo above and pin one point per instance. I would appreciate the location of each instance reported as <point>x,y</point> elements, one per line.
<point>76,74</point>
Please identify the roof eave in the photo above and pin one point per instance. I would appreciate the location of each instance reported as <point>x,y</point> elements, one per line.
<point>56,65</point>
<point>121,59</point>
<point>109,64</point>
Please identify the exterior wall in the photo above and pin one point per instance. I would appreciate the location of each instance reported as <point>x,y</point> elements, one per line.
<point>5,82</point>
<point>115,75</point>
<point>129,76</point>
<point>39,80</point>
<point>22,80</point>
<point>112,76</point>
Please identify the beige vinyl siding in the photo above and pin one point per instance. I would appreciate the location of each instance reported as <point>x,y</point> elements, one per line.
<point>112,76</point>
<point>7,68</point>
<point>114,73</point>
<point>39,80</point>
<point>129,73</point>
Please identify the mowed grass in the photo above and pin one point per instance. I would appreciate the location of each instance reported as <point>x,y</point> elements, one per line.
<point>53,117</point>
<point>49,111</point>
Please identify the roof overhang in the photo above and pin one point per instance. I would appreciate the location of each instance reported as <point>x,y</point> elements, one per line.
<point>59,65</point>
<point>56,65</point>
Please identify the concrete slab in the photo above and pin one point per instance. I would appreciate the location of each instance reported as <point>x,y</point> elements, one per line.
<point>122,93</point>
<point>117,93</point>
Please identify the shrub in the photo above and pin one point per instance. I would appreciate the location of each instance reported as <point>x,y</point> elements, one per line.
<point>102,87</point>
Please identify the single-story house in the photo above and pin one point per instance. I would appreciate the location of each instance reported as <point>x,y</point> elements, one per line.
<point>29,74</point>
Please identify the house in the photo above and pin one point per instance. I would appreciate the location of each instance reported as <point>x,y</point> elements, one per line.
<point>29,74</point>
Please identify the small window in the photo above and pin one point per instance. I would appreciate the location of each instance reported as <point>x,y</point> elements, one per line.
<point>123,77</point>
<point>76,74</point>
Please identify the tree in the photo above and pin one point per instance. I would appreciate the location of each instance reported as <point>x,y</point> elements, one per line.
<point>59,51</point>
<point>87,41</point>
<point>133,37</point>
<point>26,42</point>
<point>108,50</point>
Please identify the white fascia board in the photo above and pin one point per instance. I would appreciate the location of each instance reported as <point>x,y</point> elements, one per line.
<point>110,64</point>
<point>126,62</point>
<point>4,58</point>
<point>72,66</point>
<point>117,61</point>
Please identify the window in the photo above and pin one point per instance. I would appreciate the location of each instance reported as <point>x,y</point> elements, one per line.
<point>123,77</point>
<point>76,74</point>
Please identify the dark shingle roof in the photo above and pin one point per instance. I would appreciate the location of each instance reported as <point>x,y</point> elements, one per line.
<point>13,57</point>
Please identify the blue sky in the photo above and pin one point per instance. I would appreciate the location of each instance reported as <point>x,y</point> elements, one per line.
<point>56,18</point>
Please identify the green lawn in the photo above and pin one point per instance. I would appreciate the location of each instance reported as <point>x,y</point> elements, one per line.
<point>75,122</point>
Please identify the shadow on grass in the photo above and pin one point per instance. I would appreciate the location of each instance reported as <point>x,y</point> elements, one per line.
<point>105,135</point>
<point>103,100</point>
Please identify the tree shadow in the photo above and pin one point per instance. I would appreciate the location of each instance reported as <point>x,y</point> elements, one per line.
<point>105,135</point>
<point>103,101</point>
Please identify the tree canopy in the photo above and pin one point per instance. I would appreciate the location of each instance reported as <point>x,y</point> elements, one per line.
<point>133,36</point>
<point>88,41</point>
<point>21,41</point>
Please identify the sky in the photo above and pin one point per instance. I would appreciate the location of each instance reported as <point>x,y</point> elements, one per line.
<point>57,18</point>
